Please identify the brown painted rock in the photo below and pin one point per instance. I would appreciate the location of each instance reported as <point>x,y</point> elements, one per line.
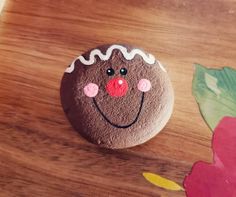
<point>117,96</point>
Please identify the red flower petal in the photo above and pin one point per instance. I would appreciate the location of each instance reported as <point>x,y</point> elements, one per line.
<point>224,143</point>
<point>217,179</point>
<point>207,180</point>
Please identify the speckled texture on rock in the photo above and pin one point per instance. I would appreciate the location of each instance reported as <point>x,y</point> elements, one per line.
<point>88,121</point>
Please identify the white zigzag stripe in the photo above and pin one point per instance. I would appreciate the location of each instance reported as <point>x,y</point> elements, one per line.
<point>150,59</point>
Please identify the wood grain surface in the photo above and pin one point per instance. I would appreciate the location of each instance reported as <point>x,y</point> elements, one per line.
<point>40,154</point>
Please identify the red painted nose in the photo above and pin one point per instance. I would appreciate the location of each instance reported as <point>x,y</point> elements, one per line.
<point>117,87</point>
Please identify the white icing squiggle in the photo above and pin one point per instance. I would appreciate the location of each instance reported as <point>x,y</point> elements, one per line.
<point>150,59</point>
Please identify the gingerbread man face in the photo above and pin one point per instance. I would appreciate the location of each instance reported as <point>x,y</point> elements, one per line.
<point>117,96</point>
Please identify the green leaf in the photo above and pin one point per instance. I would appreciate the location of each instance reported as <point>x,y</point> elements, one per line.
<point>215,93</point>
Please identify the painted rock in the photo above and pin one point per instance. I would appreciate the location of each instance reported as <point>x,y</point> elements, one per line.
<point>117,96</point>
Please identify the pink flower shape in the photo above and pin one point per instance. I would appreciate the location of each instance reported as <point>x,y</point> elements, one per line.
<point>219,178</point>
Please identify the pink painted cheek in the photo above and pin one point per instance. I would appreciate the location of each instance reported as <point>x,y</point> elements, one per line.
<point>91,90</point>
<point>144,85</point>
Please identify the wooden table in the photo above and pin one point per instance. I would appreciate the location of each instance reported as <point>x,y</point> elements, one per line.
<point>40,154</point>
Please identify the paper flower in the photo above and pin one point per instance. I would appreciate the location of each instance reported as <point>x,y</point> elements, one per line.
<point>219,178</point>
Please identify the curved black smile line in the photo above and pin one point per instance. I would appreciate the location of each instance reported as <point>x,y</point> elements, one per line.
<point>120,126</point>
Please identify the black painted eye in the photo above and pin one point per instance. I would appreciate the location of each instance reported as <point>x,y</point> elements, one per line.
<point>123,71</point>
<point>110,71</point>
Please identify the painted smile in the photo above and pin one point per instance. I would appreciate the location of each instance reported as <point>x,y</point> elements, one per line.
<point>116,125</point>
<point>117,87</point>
